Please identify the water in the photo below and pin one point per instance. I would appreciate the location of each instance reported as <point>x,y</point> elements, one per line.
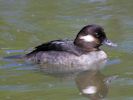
<point>27,23</point>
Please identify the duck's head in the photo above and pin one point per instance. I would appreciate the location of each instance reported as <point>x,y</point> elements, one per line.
<point>91,37</point>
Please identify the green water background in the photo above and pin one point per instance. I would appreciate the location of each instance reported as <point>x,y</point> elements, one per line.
<point>27,23</point>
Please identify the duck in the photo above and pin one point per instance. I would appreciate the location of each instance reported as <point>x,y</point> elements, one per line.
<point>81,51</point>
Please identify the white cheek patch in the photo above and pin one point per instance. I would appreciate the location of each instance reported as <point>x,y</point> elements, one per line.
<point>88,38</point>
<point>90,90</point>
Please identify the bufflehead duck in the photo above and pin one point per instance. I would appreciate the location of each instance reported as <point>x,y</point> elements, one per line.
<point>83,50</point>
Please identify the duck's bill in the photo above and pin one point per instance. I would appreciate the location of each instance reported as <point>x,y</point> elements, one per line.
<point>109,43</point>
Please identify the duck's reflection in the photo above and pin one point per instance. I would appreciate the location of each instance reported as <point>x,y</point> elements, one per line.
<point>89,79</point>
<point>92,84</point>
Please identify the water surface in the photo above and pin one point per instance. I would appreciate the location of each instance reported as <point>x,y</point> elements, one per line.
<point>27,23</point>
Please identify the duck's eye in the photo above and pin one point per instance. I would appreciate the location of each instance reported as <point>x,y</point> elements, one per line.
<point>97,34</point>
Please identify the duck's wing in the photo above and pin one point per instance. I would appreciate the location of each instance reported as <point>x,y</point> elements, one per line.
<point>56,45</point>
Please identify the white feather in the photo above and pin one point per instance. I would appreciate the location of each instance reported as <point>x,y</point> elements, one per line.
<point>88,38</point>
<point>90,90</point>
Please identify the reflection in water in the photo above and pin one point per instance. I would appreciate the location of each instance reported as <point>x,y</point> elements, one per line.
<point>93,84</point>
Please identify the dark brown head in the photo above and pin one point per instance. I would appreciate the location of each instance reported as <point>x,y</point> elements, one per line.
<point>91,37</point>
